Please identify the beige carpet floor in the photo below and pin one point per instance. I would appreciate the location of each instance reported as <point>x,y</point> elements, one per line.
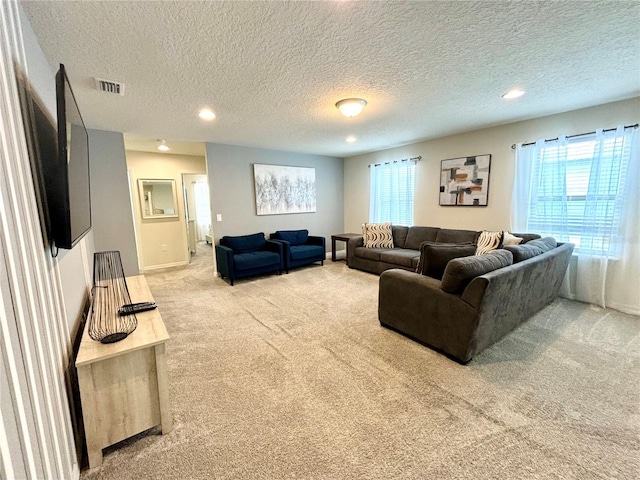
<point>292,377</point>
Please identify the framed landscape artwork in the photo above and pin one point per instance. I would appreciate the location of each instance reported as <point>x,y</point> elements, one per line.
<point>282,189</point>
<point>465,181</point>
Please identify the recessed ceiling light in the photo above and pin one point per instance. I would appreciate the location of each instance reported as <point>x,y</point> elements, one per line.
<point>351,139</point>
<point>162,145</point>
<point>513,93</point>
<point>206,114</point>
<point>350,107</point>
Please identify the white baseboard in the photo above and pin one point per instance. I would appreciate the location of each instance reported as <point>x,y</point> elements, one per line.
<point>338,253</point>
<point>165,265</point>
<point>624,308</point>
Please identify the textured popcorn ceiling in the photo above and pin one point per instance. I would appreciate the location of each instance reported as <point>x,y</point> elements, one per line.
<point>273,71</point>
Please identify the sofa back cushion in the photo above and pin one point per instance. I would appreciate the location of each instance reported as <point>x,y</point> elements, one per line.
<point>526,237</point>
<point>244,243</point>
<point>523,252</point>
<point>546,243</point>
<point>461,271</point>
<point>447,235</point>
<point>417,235</point>
<point>399,233</point>
<point>294,237</point>
<point>531,249</point>
<point>435,256</point>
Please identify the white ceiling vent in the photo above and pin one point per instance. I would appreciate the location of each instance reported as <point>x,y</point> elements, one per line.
<point>110,87</point>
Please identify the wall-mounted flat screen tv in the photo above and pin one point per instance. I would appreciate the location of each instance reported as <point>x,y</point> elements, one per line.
<point>67,180</point>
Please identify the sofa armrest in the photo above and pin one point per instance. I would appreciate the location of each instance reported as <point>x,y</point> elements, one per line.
<point>416,306</point>
<point>286,246</point>
<point>224,261</point>
<point>474,292</point>
<point>401,287</point>
<point>315,240</point>
<point>276,246</point>
<point>352,244</point>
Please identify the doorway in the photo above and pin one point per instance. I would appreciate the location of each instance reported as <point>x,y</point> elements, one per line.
<point>197,210</point>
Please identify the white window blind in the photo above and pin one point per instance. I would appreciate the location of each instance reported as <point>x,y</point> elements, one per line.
<point>578,190</point>
<point>392,188</point>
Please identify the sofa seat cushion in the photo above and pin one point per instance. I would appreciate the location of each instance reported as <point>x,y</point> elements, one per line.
<point>244,243</point>
<point>250,260</point>
<point>417,235</point>
<point>461,271</point>
<point>300,252</point>
<point>447,235</point>
<point>294,237</point>
<point>370,253</point>
<point>399,256</point>
<point>435,256</point>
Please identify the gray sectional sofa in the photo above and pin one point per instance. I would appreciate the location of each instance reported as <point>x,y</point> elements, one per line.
<point>406,251</point>
<point>470,302</point>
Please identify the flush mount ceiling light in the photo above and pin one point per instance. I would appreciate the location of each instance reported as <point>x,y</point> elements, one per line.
<point>351,139</point>
<point>206,114</point>
<point>350,107</point>
<point>162,145</point>
<point>513,93</point>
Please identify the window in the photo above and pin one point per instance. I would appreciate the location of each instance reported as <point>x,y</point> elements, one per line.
<point>392,191</point>
<point>578,190</point>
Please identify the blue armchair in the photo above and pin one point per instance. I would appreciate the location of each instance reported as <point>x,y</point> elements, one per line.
<point>248,255</point>
<point>300,248</point>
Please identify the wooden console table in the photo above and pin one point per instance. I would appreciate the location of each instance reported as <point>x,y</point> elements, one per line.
<point>343,237</point>
<point>123,385</point>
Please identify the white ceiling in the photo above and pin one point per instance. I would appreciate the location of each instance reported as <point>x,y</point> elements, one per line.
<point>273,71</point>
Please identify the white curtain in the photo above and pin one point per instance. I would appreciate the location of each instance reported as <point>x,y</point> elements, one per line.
<point>203,210</point>
<point>584,190</point>
<point>392,192</point>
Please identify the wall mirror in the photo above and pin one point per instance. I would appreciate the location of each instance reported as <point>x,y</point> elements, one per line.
<point>158,198</point>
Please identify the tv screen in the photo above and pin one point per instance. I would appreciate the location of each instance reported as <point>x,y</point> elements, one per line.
<point>68,191</point>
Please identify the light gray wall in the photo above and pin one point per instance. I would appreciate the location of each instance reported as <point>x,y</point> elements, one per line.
<point>496,141</point>
<point>230,170</point>
<point>111,214</point>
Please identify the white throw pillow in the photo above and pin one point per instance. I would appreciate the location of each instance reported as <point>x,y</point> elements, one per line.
<point>510,239</point>
<point>377,235</point>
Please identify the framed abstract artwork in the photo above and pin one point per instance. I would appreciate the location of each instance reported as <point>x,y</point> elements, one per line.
<point>465,181</point>
<point>282,189</point>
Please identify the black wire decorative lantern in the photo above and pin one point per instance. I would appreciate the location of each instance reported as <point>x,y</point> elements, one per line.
<point>107,324</point>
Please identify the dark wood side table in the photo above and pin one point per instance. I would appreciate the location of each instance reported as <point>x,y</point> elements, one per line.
<point>343,237</point>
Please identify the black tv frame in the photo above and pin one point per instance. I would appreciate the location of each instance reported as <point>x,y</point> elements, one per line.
<point>60,190</point>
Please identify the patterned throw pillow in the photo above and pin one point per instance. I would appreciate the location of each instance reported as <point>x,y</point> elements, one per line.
<point>377,235</point>
<point>489,241</point>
